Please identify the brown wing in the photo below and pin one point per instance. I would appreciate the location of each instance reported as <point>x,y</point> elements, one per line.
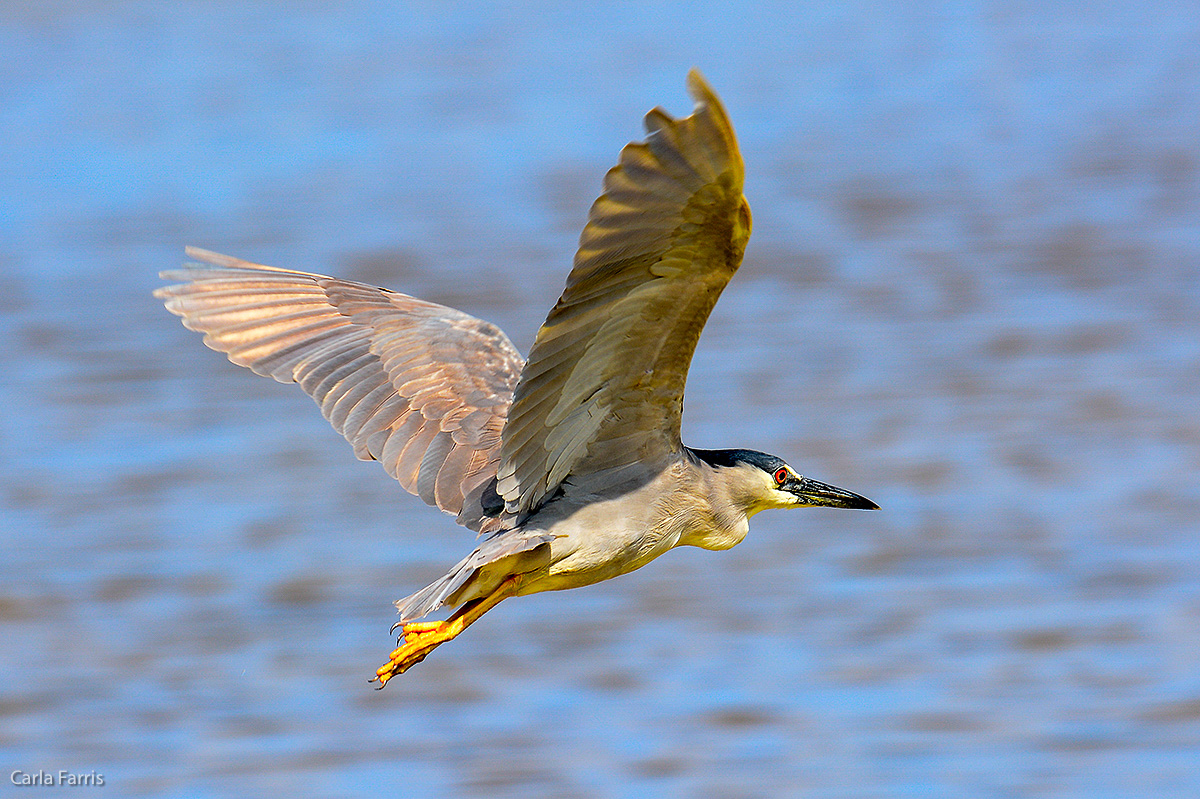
<point>421,388</point>
<point>602,392</point>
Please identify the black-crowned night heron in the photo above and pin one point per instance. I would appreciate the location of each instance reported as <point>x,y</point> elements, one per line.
<point>569,464</point>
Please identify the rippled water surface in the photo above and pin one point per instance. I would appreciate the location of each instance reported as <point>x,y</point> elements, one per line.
<point>973,295</point>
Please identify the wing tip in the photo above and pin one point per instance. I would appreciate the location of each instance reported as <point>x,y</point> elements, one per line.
<point>199,253</point>
<point>708,115</point>
<point>699,89</point>
<point>228,261</point>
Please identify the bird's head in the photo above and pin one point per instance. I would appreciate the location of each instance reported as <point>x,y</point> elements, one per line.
<point>759,481</point>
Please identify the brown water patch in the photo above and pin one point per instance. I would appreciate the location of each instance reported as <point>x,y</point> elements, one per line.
<point>742,717</point>
<point>875,207</point>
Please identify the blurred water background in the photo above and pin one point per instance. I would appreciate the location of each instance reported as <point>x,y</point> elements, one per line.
<point>973,295</point>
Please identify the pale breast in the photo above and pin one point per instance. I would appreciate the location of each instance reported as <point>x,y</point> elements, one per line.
<point>600,537</point>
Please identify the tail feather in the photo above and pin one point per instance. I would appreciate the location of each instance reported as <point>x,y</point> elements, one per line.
<point>480,573</point>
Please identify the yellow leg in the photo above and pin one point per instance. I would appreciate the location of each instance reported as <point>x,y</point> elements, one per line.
<point>422,637</point>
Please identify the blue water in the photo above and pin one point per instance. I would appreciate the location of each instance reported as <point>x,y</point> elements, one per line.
<point>973,295</point>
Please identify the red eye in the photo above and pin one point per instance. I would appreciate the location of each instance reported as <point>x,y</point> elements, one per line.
<point>781,475</point>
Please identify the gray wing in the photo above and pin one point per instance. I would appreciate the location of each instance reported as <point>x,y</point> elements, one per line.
<point>421,388</point>
<point>602,391</point>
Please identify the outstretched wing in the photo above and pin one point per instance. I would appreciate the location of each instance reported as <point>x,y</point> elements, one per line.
<point>421,388</point>
<point>602,392</point>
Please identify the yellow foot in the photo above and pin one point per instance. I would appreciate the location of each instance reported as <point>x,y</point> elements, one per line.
<point>422,637</point>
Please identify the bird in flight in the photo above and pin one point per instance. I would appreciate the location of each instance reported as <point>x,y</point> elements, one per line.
<point>568,464</point>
